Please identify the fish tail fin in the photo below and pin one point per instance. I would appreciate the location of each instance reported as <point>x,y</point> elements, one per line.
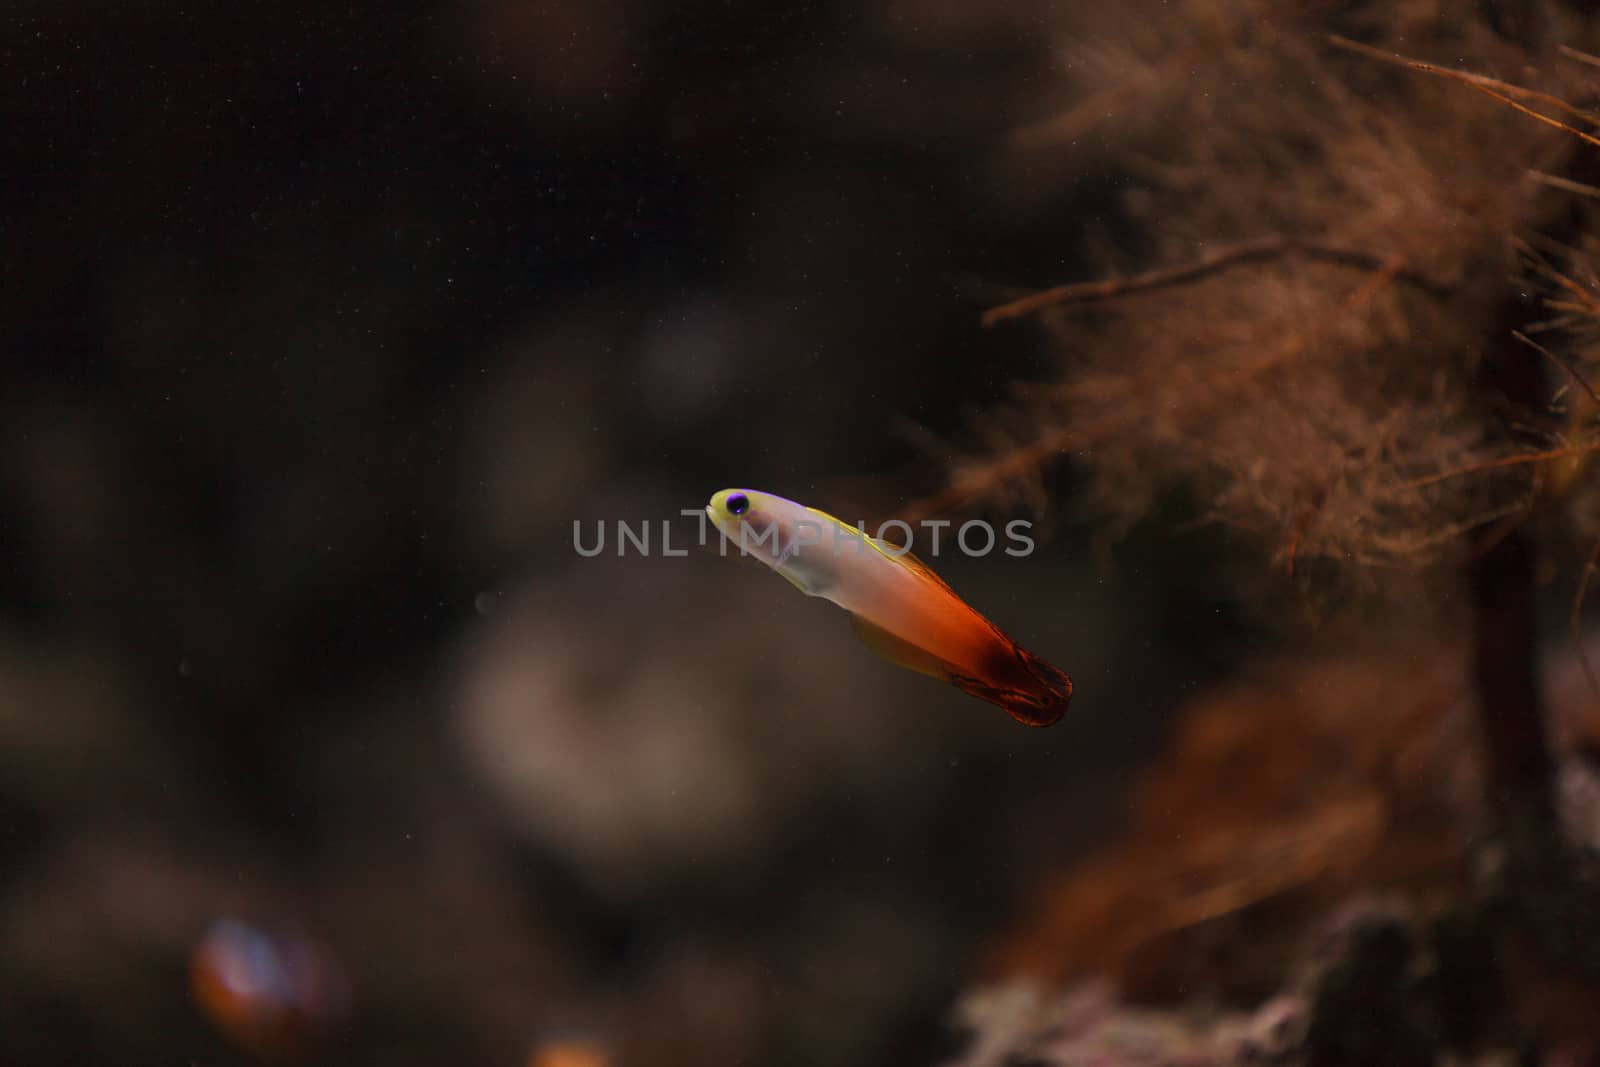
<point>1035,695</point>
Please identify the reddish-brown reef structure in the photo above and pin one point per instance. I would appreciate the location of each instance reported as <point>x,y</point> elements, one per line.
<point>1353,315</point>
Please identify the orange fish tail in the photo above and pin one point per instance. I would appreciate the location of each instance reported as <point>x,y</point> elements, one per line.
<point>1030,690</point>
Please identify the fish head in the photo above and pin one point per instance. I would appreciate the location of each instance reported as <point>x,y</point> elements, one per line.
<point>731,508</point>
<point>759,524</point>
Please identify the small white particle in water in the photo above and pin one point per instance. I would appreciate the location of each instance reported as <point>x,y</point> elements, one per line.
<point>483,603</point>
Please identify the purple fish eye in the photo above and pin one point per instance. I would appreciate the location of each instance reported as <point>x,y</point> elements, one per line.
<point>738,503</point>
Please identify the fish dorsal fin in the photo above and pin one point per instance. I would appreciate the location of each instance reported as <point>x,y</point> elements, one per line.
<point>898,650</point>
<point>905,557</point>
<point>909,560</point>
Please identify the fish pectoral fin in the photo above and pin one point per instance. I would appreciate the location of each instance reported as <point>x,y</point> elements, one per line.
<point>898,650</point>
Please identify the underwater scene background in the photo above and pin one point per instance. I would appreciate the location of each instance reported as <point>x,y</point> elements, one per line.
<point>331,336</point>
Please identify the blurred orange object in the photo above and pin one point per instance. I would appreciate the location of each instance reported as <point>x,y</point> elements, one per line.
<point>569,1053</point>
<point>266,988</point>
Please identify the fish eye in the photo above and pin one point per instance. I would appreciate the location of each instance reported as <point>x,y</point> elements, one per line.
<point>738,503</point>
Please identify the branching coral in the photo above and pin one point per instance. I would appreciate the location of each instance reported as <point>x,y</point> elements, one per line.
<point>1333,238</point>
<point>1364,328</point>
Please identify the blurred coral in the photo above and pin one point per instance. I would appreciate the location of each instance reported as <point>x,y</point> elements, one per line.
<point>1277,797</point>
<point>1316,391</point>
<point>1283,798</point>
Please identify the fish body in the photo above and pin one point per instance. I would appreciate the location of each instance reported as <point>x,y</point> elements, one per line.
<point>898,606</point>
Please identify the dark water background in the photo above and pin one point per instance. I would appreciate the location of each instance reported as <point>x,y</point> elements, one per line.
<point>319,327</point>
